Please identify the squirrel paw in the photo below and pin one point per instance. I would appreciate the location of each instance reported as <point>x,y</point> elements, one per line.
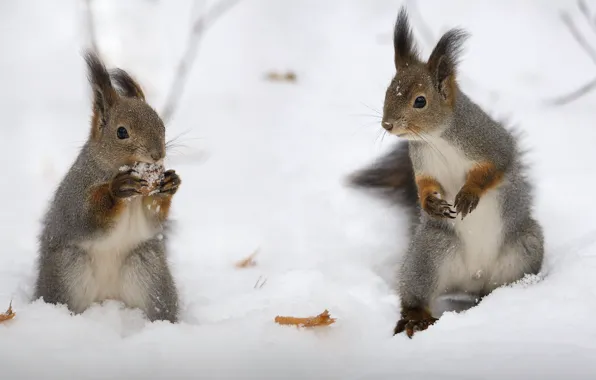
<point>466,201</point>
<point>125,185</point>
<point>438,207</point>
<point>410,326</point>
<point>170,183</point>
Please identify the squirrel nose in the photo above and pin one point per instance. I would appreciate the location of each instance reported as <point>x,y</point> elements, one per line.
<point>387,125</point>
<point>156,156</point>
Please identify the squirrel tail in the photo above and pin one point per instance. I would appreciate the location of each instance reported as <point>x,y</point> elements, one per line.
<point>391,177</point>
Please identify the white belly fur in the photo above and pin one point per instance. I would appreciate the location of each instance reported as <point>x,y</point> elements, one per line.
<point>103,275</point>
<point>468,268</point>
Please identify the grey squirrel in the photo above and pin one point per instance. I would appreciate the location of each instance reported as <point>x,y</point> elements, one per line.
<point>104,235</point>
<point>474,229</point>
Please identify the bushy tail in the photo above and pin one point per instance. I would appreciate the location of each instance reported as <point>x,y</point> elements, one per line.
<point>391,177</point>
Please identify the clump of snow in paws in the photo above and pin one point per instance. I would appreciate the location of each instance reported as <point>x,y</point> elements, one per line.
<point>153,173</point>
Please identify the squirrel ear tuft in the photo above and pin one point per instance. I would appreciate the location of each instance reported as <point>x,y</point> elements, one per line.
<point>126,84</point>
<point>403,41</point>
<point>442,63</point>
<point>104,95</point>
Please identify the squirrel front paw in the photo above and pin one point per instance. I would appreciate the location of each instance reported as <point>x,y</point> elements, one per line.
<point>170,183</point>
<point>126,184</point>
<point>466,201</point>
<point>438,207</point>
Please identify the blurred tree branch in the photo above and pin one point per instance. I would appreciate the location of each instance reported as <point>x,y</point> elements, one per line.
<point>429,39</point>
<point>425,30</point>
<point>583,43</point>
<point>91,35</point>
<point>202,21</point>
<point>199,26</point>
<point>576,94</point>
<point>586,47</point>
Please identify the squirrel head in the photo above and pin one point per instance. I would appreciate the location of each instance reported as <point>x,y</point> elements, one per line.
<point>421,97</point>
<point>124,128</point>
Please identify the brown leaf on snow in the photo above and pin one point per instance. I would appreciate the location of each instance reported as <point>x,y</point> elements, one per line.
<point>8,315</point>
<point>322,319</point>
<point>289,76</point>
<point>248,262</point>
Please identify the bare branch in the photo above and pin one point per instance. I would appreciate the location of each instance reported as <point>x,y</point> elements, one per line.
<point>425,30</point>
<point>588,49</point>
<point>583,8</point>
<point>259,284</point>
<point>200,25</point>
<point>565,99</point>
<point>566,18</point>
<point>429,39</point>
<point>91,34</point>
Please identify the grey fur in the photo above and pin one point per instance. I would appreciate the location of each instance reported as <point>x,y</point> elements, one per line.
<point>462,127</point>
<point>435,240</point>
<point>481,139</point>
<point>404,45</point>
<point>443,60</point>
<point>431,243</point>
<point>126,84</point>
<point>70,225</point>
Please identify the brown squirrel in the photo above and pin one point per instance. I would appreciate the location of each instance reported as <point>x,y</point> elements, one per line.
<point>104,235</point>
<point>474,230</point>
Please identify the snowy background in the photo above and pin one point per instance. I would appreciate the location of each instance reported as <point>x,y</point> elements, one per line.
<point>263,167</point>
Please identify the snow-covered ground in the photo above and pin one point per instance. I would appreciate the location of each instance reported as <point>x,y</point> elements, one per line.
<point>263,166</point>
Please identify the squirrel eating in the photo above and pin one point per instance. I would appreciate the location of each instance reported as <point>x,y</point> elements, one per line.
<point>153,174</point>
<point>106,230</point>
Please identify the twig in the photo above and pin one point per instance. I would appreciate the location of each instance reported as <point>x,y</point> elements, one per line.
<point>429,39</point>
<point>588,49</point>
<point>257,285</point>
<point>425,30</point>
<point>566,18</point>
<point>200,25</point>
<point>91,34</point>
<point>583,8</point>
<point>565,99</point>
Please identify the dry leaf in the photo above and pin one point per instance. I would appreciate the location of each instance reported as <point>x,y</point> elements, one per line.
<point>322,319</point>
<point>289,76</point>
<point>248,262</point>
<point>8,315</point>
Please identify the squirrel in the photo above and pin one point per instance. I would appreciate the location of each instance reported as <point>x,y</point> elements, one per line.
<point>474,229</point>
<point>103,237</point>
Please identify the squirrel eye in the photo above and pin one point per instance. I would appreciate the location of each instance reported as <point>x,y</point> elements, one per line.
<point>122,133</point>
<point>420,102</point>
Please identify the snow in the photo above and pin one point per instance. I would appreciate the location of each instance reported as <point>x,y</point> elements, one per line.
<point>263,166</point>
<point>152,173</point>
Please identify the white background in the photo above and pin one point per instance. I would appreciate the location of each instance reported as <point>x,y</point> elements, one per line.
<point>263,166</point>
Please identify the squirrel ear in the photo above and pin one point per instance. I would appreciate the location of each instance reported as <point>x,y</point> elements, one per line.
<point>403,41</point>
<point>104,95</point>
<point>442,63</point>
<point>127,85</point>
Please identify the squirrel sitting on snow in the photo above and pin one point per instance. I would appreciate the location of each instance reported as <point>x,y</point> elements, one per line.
<point>473,230</point>
<point>104,235</point>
